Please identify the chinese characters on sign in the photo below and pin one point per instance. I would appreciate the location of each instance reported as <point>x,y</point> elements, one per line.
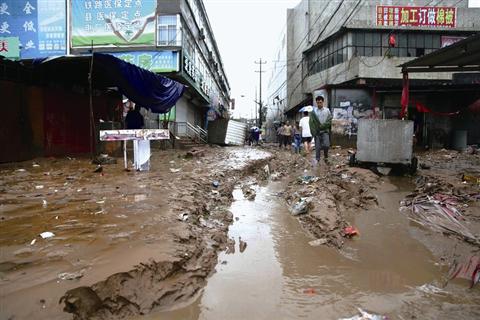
<point>39,25</point>
<point>155,61</point>
<point>416,16</point>
<point>113,22</point>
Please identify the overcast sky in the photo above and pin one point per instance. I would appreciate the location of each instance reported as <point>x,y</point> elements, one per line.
<point>245,31</point>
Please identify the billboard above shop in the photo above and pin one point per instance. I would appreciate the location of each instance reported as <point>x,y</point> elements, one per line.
<point>39,26</point>
<point>113,23</point>
<point>416,16</point>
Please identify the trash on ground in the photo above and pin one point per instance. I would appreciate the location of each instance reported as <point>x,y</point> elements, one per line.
<point>104,159</point>
<point>44,203</point>
<point>174,170</point>
<point>470,178</point>
<point>140,197</point>
<point>47,234</point>
<point>350,231</point>
<point>440,213</point>
<point>364,315</point>
<point>242,245</point>
<point>249,193</point>
<point>384,170</point>
<point>424,166</point>
<point>215,183</point>
<point>36,165</point>
<point>430,288</point>
<point>301,206</point>
<point>266,169</point>
<point>183,216</point>
<point>309,291</point>
<point>39,187</point>
<point>33,242</point>
<point>469,270</point>
<point>21,170</point>
<point>308,179</point>
<point>71,275</point>
<point>318,242</point>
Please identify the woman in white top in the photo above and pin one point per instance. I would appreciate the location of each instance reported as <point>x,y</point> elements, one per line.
<point>306,134</point>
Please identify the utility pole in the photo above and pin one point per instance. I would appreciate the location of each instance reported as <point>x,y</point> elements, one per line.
<point>260,103</point>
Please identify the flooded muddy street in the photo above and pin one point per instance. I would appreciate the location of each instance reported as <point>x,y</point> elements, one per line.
<point>279,275</point>
<point>236,233</point>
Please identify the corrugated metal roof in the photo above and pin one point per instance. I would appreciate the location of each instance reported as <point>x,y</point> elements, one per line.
<point>463,55</point>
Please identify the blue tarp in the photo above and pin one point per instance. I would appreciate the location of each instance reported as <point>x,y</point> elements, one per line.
<point>147,89</point>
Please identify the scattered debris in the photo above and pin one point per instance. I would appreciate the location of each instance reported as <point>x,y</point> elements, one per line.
<point>215,184</point>
<point>194,153</point>
<point>248,192</point>
<point>104,159</point>
<point>470,178</point>
<point>98,169</point>
<point>183,216</point>
<point>44,203</point>
<point>424,166</point>
<point>365,316</point>
<point>350,232</point>
<point>301,206</point>
<point>308,179</point>
<point>33,242</point>
<point>469,270</point>
<point>71,275</point>
<point>174,170</point>
<point>384,170</point>
<point>431,289</point>
<point>318,242</point>
<point>139,197</point>
<point>309,291</point>
<point>267,169</point>
<point>47,234</point>
<point>440,213</point>
<point>39,187</point>
<point>242,245</point>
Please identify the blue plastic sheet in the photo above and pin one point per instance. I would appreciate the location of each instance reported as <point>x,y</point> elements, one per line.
<point>147,89</point>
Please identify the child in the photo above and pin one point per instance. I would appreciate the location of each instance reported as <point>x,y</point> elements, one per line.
<point>297,138</point>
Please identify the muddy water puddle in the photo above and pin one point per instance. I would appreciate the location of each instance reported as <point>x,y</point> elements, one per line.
<point>275,274</point>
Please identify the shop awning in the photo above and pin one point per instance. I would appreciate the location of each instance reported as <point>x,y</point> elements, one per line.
<point>461,56</point>
<point>147,89</point>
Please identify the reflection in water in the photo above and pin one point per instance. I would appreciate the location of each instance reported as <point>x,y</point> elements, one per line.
<point>280,276</point>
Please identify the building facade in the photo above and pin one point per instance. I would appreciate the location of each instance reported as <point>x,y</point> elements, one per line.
<point>350,51</point>
<point>170,37</point>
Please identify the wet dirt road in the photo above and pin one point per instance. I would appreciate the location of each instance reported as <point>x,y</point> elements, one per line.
<point>278,275</point>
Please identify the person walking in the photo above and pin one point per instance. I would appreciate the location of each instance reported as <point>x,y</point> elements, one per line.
<point>297,137</point>
<point>320,123</point>
<point>280,135</point>
<point>287,135</point>
<point>306,134</point>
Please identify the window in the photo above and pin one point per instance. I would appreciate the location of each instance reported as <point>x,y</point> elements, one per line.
<point>169,31</point>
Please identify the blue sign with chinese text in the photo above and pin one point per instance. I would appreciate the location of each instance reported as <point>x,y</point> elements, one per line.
<point>40,26</point>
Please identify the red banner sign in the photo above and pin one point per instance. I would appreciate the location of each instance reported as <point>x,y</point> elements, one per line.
<point>416,16</point>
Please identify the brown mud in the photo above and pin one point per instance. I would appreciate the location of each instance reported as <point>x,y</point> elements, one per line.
<point>124,242</point>
<point>129,243</point>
